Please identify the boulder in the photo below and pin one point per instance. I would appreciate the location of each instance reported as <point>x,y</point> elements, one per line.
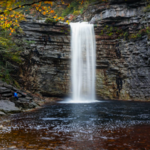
<point>25,104</point>
<point>15,89</point>
<point>2,127</point>
<point>1,84</point>
<point>22,93</point>
<point>7,95</point>
<point>22,104</point>
<point>23,100</point>
<point>32,105</point>
<point>2,113</point>
<point>8,107</point>
<point>8,86</point>
<point>29,98</point>
<point>4,90</point>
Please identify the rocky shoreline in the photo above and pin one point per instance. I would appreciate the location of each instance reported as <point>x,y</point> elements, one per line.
<point>26,100</point>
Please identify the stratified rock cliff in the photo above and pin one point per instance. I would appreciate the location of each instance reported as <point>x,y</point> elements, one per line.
<point>47,61</point>
<point>123,63</point>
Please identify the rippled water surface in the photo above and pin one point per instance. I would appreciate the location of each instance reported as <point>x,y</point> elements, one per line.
<point>108,125</point>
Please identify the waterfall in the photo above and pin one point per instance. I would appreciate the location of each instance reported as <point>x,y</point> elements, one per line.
<point>83,62</point>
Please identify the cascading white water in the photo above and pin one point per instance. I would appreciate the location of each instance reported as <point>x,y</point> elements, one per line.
<point>83,62</point>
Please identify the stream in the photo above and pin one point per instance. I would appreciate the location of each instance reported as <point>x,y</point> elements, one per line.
<point>106,125</point>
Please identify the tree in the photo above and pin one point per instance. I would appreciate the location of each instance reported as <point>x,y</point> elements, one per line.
<point>12,11</point>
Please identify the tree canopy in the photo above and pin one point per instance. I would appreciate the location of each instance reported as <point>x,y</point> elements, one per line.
<point>13,11</point>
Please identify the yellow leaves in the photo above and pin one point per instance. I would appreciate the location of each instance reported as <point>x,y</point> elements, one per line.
<point>10,22</point>
<point>52,11</point>
<point>11,16</point>
<point>39,4</point>
<point>48,2</point>
<point>5,11</point>
<point>82,2</point>
<point>34,5</point>
<point>67,21</point>
<point>8,25</point>
<point>10,19</point>
<point>3,41</point>
<point>61,18</point>
<point>62,2</point>
<point>51,3</point>
<point>44,13</point>
<point>12,30</point>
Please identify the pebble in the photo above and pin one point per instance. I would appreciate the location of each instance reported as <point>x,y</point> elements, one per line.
<point>1,127</point>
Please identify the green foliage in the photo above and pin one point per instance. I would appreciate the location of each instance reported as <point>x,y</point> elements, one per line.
<point>111,31</point>
<point>147,8</point>
<point>81,11</point>
<point>10,49</point>
<point>114,31</point>
<point>16,83</point>
<point>75,7</point>
<point>4,73</point>
<point>125,34</point>
<point>69,10</point>
<point>50,20</point>
<point>76,12</point>
<point>141,32</point>
<point>28,42</point>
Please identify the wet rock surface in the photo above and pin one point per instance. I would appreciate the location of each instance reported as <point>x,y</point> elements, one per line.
<point>8,107</point>
<point>104,125</point>
<point>26,100</point>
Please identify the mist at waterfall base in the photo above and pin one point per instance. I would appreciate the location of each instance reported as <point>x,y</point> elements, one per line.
<point>83,63</point>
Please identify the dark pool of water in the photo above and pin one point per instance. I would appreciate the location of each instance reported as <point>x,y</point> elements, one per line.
<point>108,125</point>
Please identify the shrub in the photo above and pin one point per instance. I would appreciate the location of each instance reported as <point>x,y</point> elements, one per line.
<point>50,20</point>
<point>147,8</point>
<point>76,13</point>
<point>10,49</point>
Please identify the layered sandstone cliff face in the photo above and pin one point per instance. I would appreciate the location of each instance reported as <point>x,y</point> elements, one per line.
<point>47,64</point>
<point>47,61</point>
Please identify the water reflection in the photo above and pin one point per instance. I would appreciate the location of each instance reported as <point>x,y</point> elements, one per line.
<point>108,125</point>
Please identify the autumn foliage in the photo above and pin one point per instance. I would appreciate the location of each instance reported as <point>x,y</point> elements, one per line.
<point>12,11</point>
